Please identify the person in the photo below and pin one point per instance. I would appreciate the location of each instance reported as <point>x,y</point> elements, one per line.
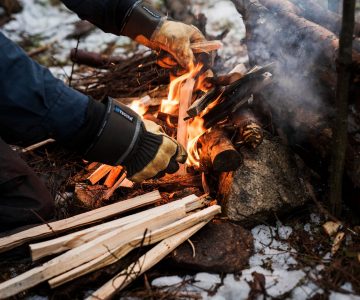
<point>35,106</point>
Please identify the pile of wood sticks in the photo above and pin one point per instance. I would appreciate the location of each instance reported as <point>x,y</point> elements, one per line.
<point>98,246</point>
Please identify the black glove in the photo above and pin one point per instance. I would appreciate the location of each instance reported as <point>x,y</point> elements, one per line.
<point>114,134</point>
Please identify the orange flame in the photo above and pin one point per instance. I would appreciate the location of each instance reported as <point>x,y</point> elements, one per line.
<point>195,130</point>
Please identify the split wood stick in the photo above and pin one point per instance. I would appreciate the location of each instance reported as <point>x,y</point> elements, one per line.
<point>206,46</point>
<point>91,250</point>
<point>144,263</point>
<point>117,184</point>
<point>150,238</point>
<point>96,215</point>
<point>182,130</point>
<point>81,237</point>
<point>113,175</point>
<point>92,166</point>
<point>37,145</point>
<point>99,173</point>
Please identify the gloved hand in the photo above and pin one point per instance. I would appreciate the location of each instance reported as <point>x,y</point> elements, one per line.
<point>150,28</point>
<point>166,159</point>
<point>175,38</point>
<point>114,134</point>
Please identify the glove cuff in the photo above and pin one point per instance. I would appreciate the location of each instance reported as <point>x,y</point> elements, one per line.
<point>118,135</point>
<point>142,19</point>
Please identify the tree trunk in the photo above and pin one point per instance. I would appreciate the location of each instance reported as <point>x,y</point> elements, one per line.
<point>342,95</point>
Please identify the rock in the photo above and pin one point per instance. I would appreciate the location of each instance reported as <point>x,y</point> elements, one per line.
<point>219,247</point>
<point>271,180</point>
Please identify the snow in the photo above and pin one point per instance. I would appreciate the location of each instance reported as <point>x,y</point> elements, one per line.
<point>274,258</point>
<point>223,15</point>
<point>52,24</point>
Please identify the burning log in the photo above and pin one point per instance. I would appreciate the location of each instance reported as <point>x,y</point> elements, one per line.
<point>237,94</point>
<point>185,101</point>
<point>217,152</point>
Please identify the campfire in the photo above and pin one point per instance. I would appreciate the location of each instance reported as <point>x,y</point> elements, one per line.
<point>208,115</point>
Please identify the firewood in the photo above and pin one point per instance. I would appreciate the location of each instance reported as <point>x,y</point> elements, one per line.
<point>237,94</point>
<point>142,240</point>
<point>99,173</point>
<point>93,59</point>
<point>185,101</point>
<point>37,145</point>
<point>96,215</point>
<point>95,248</point>
<point>81,237</point>
<point>98,60</point>
<point>144,263</point>
<point>217,152</point>
<point>113,175</point>
<point>249,131</point>
<point>206,46</point>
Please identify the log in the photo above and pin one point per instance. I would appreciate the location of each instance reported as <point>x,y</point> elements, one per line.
<point>78,238</point>
<point>95,248</point>
<point>99,174</point>
<point>144,263</point>
<point>93,59</point>
<point>96,215</point>
<point>182,129</point>
<point>142,240</point>
<point>249,131</point>
<point>217,152</point>
<point>300,101</point>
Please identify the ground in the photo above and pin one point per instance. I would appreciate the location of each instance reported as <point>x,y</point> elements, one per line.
<point>293,253</point>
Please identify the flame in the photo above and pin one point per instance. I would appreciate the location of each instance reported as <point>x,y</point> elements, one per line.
<point>171,104</point>
<point>195,130</point>
<point>138,107</point>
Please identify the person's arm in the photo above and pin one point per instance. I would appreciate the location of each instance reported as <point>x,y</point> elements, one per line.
<point>141,22</point>
<point>108,15</point>
<point>34,105</point>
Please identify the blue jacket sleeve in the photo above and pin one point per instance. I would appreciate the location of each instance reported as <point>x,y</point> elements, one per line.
<point>34,105</point>
<point>108,15</point>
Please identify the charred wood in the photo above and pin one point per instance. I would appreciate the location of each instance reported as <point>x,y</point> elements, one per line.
<point>217,152</point>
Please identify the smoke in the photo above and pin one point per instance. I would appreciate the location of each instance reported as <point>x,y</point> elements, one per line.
<point>303,61</point>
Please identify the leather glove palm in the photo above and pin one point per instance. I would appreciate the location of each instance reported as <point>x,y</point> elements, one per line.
<point>166,159</point>
<point>175,38</point>
<point>151,28</point>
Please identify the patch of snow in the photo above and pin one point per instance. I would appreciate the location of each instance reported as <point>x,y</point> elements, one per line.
<point>305,291</point>
<point>307,227</point>
<point>167,281</point>
<point>206,281</point>
<point>223,15</point>
<point>339,296</point>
